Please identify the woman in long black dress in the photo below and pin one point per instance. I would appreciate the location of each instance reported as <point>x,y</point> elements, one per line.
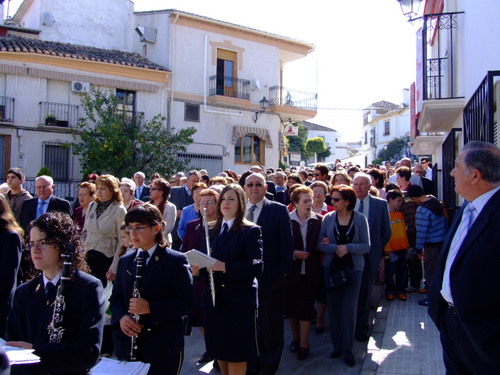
<point>230,325</point>
<point>77,350</point>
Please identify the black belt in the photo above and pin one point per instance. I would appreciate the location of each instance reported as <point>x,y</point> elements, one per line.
<point>435,244</point>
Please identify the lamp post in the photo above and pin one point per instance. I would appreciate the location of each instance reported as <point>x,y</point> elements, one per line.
<point>264,104</point>
<point>410,8</point>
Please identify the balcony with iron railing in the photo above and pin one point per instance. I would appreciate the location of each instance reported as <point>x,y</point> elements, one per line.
<point>58,114</point>
<point>443,100</point>
<point>297,105</point>
<point>6,109</point>
<point>229,86</point>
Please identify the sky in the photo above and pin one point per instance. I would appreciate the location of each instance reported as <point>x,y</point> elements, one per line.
<point>364,49</point>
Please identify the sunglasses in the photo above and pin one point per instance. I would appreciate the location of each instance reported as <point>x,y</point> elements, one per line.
<point>337,199</point>
<point>251,185</point>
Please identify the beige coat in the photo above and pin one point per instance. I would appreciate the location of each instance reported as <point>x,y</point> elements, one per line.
<point>103,234</point>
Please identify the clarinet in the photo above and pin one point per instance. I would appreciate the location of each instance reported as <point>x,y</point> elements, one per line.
<point>209,252</point>
<point>55,328</point>
<point>136,294</point>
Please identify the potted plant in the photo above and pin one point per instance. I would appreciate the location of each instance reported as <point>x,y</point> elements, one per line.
<point>50,119</point>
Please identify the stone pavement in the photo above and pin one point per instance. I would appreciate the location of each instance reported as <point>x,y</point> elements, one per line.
<point>404,341</point>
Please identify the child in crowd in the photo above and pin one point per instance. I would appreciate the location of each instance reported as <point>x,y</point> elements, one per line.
<point>395,250</point>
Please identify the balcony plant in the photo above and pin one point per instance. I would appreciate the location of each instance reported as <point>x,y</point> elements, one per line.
<point>50,119</point>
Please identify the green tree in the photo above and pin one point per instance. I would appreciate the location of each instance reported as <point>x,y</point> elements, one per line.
<point>395,150</point>
<point>316,145</point>
<point>298,143</point>
<point>110,139</point>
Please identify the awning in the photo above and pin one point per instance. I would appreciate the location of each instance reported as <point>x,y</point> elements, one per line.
<point>241,131</point>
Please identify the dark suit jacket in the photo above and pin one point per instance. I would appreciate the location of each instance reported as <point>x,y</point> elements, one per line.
<point>180,197</point>
<point>144,197</point>
<point>10,257</point>
<point>428,186</point>
<point>28,211</point>
<point>474,281</point>
<point>83,323</point>
<point>277,239</point>
<point>379,225</point>
<point>168,287</point>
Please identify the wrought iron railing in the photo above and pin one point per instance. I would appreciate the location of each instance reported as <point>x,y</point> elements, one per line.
<point>58,114</point>
<point>6,109</point>
<point>279,95</point>
<point>439,42</point>
<point>479,119</point>
<point>229,86</point>
<point>449,150</point>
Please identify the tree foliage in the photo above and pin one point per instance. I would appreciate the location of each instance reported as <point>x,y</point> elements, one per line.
<point>298,143</point>
<point>316,145</point>
<point>396,150</point>
<point>111,140</point>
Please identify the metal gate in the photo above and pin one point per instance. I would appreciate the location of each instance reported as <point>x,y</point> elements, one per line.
<point>212,163</point>
<point>450,149</point>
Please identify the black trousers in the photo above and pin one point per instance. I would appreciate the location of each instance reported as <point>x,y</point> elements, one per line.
<point>365,292</point>
<point>460,356</point>
<point>99,264</point>
<point>271,324</point>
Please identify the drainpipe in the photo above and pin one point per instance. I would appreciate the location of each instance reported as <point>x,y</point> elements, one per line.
<point>170,107</point>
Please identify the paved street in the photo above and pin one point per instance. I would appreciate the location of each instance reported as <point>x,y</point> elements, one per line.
<point>403,341</point>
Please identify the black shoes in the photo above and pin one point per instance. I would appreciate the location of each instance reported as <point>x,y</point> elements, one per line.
<point>205,358</point>
<point>349,360</point>
<point>424,302</point>
<point>303,353</point>
<point>336,354</point>
<point>295,346</point>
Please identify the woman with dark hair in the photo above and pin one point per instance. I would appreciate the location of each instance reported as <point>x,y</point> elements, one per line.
<point>192,211</point>
<point>230,325</point>
<point>341,178</point>
<point>148,302</point>
<point>71,346</point>
<point>344,234</point>
<point>159,192</point>
<point>10,258</point>
<point>102,229</point>
<point>306,271</point>
<point>378,181</point>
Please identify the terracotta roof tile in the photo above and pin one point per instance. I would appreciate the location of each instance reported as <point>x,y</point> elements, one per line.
<point>74,51</point>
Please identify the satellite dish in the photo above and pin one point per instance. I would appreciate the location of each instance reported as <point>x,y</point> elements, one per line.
<point>47,19</point>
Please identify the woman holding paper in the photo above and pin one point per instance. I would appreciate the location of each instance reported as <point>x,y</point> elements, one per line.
<point>230,325</point>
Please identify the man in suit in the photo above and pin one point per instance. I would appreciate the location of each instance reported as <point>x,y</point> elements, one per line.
<point>46,201</point>
<point>463,299</point>
<point>141,191</point>
<point>377,212</point>
<point>278,255</point>
<point>182,196</point>
<point>271,186</point>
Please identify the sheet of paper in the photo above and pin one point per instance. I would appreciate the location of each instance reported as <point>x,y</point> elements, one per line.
<point>198,258</point>
<point>111,366</point>
<point>19,355</point>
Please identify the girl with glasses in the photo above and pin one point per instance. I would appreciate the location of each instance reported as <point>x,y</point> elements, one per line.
<point>53,240</point>
<point>164,294</point>
<point>159,192</point>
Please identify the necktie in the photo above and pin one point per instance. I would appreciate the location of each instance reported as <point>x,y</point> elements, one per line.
<point>250,212</point>
<point>224,231</point>
<point>39,211</point>
<point>141,260</point>
<point>360,208</point>
<point>456,243</point>
<point>50,292</point>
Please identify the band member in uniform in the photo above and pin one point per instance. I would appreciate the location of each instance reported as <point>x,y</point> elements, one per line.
<point>68,340</point>
<point>149,301</point>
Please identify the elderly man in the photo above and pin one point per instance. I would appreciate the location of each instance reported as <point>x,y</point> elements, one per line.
<point>141,190</point>
<point>377,212</point>
<point>463,299</point>
<point>46,201</point>
<point>278,253</point>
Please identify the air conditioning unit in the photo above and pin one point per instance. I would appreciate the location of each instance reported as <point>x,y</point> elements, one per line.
<point>79,86</point>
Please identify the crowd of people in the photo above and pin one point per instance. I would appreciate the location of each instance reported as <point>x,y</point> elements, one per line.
<point>112,274</point>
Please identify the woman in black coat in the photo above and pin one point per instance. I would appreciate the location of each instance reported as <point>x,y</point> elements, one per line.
<point>10,257</point>
<point>230,325</point>
<point>77,350</point>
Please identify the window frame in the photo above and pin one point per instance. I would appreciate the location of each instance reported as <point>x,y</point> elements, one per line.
<point>262,145</point>
<point>387,127</point>
<point>193,105</point>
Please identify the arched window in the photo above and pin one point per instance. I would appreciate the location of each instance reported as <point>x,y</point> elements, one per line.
<point>249,149</point>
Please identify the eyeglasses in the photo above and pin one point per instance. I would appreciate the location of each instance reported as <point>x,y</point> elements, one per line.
<point>317,174</point>
<point>154,188</point>
<point>337,199</point>
<point>136,229</point>
<point>207,203</point>
<point>418,172</point>
<point>41,245</point>
<point>251,185</point>
<point>319,192</point>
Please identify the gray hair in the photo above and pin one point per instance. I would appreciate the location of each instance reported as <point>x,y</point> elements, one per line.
<point>129,183</point>
<point>485,157</point>
<point>49,179</point>
<point>363,175</point>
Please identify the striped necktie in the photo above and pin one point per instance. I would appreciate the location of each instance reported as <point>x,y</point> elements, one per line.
<point>39,210</point>
<point>250,212</point>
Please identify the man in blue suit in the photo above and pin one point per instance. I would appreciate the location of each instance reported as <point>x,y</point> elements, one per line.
<point>141,191</point>
<point>463,298</point>
<point>274,220</point>
<point>377,212</point>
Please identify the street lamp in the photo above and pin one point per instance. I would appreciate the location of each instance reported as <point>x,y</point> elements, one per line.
<point>264,104</point>
<point>410,8</point>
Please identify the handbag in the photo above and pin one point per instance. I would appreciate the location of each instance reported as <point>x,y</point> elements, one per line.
<point>340,273</point>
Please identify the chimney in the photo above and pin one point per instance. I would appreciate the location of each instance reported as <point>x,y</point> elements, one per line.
<point>406,98</point>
